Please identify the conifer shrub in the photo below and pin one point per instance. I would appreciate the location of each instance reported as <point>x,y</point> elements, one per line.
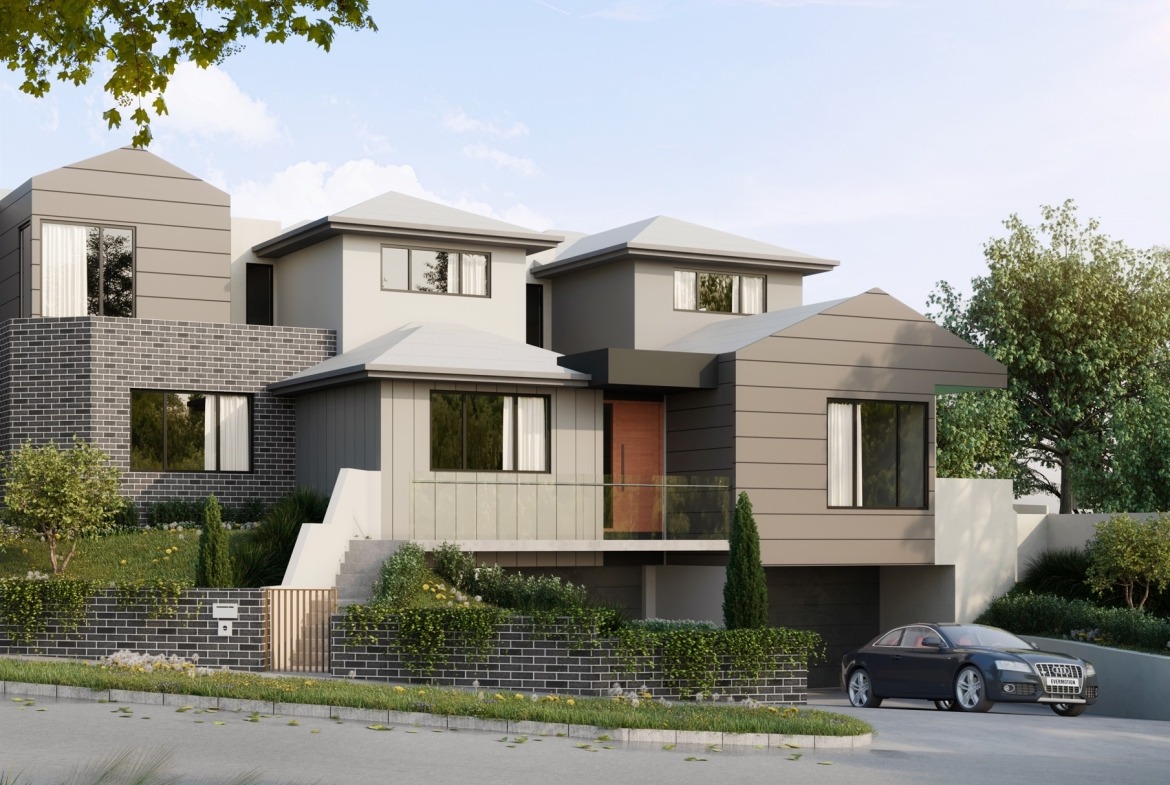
<point>745,594</point>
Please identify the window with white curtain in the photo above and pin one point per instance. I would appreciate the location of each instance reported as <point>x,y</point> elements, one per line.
<point>86,270</point>
<point>877,454</point>
<point>489,432</point>
<point>189,432</point>
<point>696,290</point>
<point>435,272</point>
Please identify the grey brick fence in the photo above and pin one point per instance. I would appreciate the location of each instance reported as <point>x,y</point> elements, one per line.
<point>112,627</point>
<point>526,662</point>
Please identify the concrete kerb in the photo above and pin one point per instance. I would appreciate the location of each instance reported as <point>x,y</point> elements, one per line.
<point>454,722</point>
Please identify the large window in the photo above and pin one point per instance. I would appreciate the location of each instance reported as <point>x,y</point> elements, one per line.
<point>437,272</point>
<point>877,454</point>
<point>189,432</point>
<point>489,433</point>
<point>86,270</point>
<point>718,292</point>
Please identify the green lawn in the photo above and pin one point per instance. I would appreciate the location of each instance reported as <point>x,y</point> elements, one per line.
<point>601,712</point>
<point>135,556</point>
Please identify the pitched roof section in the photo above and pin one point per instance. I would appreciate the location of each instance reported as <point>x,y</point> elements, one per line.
<point>426,350</point>
<point>664,237</point>
<point>731,335</point>
<point>396,215</point>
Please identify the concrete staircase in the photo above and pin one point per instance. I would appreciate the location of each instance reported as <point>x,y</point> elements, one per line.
<point>360,568</point>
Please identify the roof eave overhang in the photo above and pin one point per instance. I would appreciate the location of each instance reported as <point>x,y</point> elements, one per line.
<point>803,265</point>
<point>353,375</point>
<point>325,228</point>
<point>646,370</point>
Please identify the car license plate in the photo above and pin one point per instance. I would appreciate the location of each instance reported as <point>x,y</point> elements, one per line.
<point>1059,682</point>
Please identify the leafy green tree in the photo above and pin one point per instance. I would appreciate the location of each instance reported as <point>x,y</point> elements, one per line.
<point>1082,323</point>
<point>1132,555</point>
<point>60,494</point>
<point>143,42</point>
<point>213,568</point>
<point>745,594</point>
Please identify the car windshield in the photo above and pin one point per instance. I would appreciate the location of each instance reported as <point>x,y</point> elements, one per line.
<point>976,635</point>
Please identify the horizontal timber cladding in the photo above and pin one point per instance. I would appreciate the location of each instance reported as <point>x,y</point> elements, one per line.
<point>185,629</point>
<point>868,348</point>
<point>543,660</point>
<point>61,377</point>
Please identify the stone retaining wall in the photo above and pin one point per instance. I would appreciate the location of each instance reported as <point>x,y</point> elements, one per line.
<point>112,627</point>
<point>524,661</point>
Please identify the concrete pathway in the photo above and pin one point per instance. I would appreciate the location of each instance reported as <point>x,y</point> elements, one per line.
<point>50,739</point>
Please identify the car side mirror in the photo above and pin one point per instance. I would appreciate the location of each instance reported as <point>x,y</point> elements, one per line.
<point>932,642</point>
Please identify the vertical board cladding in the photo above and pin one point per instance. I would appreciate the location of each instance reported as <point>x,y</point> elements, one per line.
<point>549,660</point>
<point>61,377</point>
<point>186,630</point>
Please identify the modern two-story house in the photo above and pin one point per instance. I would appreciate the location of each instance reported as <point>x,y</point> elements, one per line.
<point>587,404</point>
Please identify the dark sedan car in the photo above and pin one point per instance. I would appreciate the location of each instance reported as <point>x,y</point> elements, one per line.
<point>965,667</point>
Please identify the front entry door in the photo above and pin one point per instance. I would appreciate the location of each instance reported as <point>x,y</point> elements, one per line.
<point>634,464</point>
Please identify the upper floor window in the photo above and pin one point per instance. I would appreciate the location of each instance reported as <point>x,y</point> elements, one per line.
<point>718,292</point>
<point>877,454</point>
<point>438,272</point>
<point>86,270</point>
<point>486,432</point>
<point>189,432</point>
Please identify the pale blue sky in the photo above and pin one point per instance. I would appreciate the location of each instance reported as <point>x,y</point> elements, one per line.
<point>893,135</point>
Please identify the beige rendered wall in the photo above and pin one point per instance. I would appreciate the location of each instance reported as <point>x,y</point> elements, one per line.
<point>369,312</point>
<point>247,232</point>
<point>182,231</point>
<point>656,323</point>
<point>309,287</point>
<point>418,504</point>
<point>870,347</point>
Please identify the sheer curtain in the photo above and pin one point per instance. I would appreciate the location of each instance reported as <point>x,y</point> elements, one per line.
<point>841,454</point>
<point>531,434</point>
<point>509,463</point>
<point>752,300</point>
<point>684,290</point>
<point>63,270</point>
<point>473,272</point>
<point>234,433</point>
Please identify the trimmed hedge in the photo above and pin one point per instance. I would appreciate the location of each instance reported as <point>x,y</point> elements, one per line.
<point>1026,613</point>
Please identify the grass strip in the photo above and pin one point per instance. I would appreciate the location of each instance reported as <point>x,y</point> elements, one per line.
<point>601,712</point>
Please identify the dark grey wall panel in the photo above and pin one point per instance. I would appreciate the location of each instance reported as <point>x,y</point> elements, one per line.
<point>337,428</point>
<point>594,309</point>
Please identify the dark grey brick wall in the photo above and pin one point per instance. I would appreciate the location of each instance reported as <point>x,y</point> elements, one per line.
<point>112,627</point>
<point>543,663</point>
<point>61,377</point>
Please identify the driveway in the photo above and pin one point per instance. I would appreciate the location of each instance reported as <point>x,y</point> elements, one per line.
<point>48,740</point>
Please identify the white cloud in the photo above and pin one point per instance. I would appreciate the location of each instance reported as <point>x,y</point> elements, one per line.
<point>502,160</point>
<point>313,189</point>
<point>208,103</point>
<point>457,120</point>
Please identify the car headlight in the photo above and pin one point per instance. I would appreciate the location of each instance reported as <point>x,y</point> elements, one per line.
<point>1090,670</point>
<point>1012,665</point>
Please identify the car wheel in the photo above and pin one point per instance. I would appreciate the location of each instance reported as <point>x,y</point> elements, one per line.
<point>947,705</point>
<point>971,690</point>
<point>1070,709</point>
<point>860,690</point>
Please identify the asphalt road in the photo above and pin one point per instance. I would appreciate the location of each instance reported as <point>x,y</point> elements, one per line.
<point>47,742</point>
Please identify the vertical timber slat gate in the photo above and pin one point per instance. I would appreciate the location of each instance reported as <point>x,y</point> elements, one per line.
<point>297,625</point>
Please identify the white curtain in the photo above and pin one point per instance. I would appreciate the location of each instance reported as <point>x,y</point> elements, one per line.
<point>752,300</point>
<point>684,291</point>
<point>532,434</point>
<point>63,270</point>
<point>233,433</point>
<point>210,430</point>
<point>473,272</point>
<point>841,454</point>
<point>509,435</point>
